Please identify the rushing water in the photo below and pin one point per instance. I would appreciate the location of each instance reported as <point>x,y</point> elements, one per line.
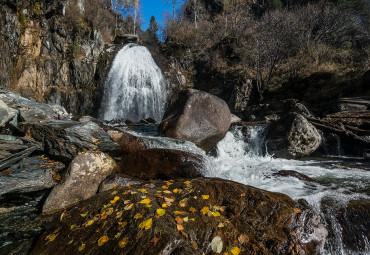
<point>135,87</point>
<point>241,157</point>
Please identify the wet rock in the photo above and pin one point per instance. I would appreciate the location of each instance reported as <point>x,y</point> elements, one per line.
<point>354,104</point>
<point>65,139</point>
<point>167,164</point>
<point>350,221</point>
<point>121,221</point>
<point>198,117</point>
<point>235,119</point>
<point>130,122</point>
<point>292,173</point>
<point>82,181</point>
<point>15,149</point>
<point>118,180</point>
<point>30,110</point>
<point>29,175</point>
<point>292,137</point>
<point>20,222</point>
<point>128,143</point>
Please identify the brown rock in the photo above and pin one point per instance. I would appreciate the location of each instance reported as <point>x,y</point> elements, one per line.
<point>153,164</point>
<point>82,181</point>
<point>128,143</point>
<point>198,117</point>
<point>253,220</point>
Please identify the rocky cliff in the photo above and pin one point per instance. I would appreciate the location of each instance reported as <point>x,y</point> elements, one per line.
<point>52,53</point>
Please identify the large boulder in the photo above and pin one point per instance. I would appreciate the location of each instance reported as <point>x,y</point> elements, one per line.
<point>166,164</point>
<point>84,175</point>
<point>292,137</point>
<point>198,117</point>
<point>66,139</point>
<point>128,142</point>
<point>202,216</point>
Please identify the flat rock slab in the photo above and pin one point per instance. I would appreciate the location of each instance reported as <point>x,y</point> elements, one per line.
<point>29,175</point>
<point>182,217</point>
<point>66,139</point>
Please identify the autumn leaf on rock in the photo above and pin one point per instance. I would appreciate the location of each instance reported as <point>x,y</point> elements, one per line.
<point>102,240</point>
<point>138,216</point>
<point>180,227</point>
<point>235,251</point>
<point>216,244</point>
<point>179,220</point>
<point>128,207</point>
<point>297,210</point>
<point>178,212</point>
<point>123,242</point>
<point>155,240</point>
<point>205,197</point>
<point>205,210</point>
<point>52,237</point>
<point>89,223</point>
<point>216,214</point>
<point>122,224</point>
<point>82,247</point>
<point>145,201</point>
<point>243,238</point>
<point>146,224</point>
<point>161,212</point>
<point>192,209</point>
<point>114,200</point>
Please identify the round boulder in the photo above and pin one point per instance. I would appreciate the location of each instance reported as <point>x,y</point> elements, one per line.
<point>198,117</point>
<point>82,181</point>
<point>292,137</point>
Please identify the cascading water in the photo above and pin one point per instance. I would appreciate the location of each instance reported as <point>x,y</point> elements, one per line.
<point>241,157</point>
<point>135,87</point>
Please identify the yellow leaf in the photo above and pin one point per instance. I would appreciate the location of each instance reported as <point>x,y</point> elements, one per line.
<point>52,237</point>
<point>161,212</point>
<point>103,215</point>
<point>180,227</point>
<point>182,203</point>
<point>205,197</point>
<point>89,223</point>
<point>102,240</point>
<point>62,216</point>
<point>192,209</point>
<point>114,192</point>
<point>73,226</point>
<point>114,200</point>
<point>118,235</point>
<point>164,205</point>
<point>205,210</point>
<point>221,225</point>
<point>110,211</point>
<point>128,185</point>
<point>235,251</point>
<point>119,215</point>
<point>186,219</point>
<point>146,224</point>
<point>148,206</point>
<point>175,191</point>
<point>126,202</point>
<point>242,195</point>
<point>167,192</point>
<point>187,182</point>
<point>216,214</point>
<point>143,191</point>
<point>123,242</point>
<point>145,201</point>
<point>122,224</point>
<point>167,199</point>
<point>297,210</point>
<point>178,212</point>
<point>128,207</point>
<point>82,247</point>
<point>164,187</point>
<point>138,216</point>
<point>83,215</point>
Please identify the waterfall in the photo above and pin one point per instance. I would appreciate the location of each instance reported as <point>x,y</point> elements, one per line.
<point>135,87</point>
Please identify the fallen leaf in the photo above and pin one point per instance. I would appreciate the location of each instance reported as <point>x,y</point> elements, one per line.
<point>161,212</point>
<point>102,240</point>
<point>186,219</point>
<point>89,223</point>
<point>178,212</point>
<point>52,237</point>
<point>126,202</point>
<point>103,215</point>
<point>164,205</point>
<point>179,220</point>
<point>138,216</point>
<point>167,192</point>
<point>297,210</point>
<point>82,247</point>
<point>128,207</point>
<point>243,238</point>
<point>167,199</point>
<point>123,242</point>
<point>73,226</point>
<point>110,211</point>
<point>235,251</point>
<point>195,245</point>
<point>62,216</point>
<point>221,225</point>
<point>118,235</point>
<point>119,215</point>
<point>83,215</point>
<point>216,244</point>
<point>205,197</point>
<point>164,187</point>
<point>180,227</point>
<point>192,209</point>
<point>114,200</point>
<point>187,182</point>
<point>205,210</point>
<point>154,240</point>
<point>242,195</point>
<point>146,224</point>
<point>122,224</point>
<point>216,214</point>
<point>114,193</point>
<point>143,191</point>
<point>145,201</point>
<point>175,191</point>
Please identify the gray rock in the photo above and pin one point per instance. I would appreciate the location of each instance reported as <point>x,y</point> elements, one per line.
<point>126,38</point>
<point>235,119</point>
<point>354,104</point>
<point>292,137</point>
<point>118,180</point>
<point>29,175</point>
<point>198,117</point>
<point>82,181</point>
<point>65,139</point>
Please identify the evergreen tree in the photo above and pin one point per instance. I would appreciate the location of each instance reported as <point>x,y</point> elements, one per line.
<point>152,30</point>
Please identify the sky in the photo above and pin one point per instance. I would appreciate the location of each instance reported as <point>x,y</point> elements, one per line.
<point>153,8</point>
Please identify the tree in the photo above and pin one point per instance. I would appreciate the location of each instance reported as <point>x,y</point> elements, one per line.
<point>173,4</point>
<point>152,30</point>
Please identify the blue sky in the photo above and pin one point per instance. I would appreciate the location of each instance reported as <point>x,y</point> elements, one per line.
<point>153,8</point>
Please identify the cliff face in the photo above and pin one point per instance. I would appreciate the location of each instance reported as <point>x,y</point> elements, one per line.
<point>51,54</point>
